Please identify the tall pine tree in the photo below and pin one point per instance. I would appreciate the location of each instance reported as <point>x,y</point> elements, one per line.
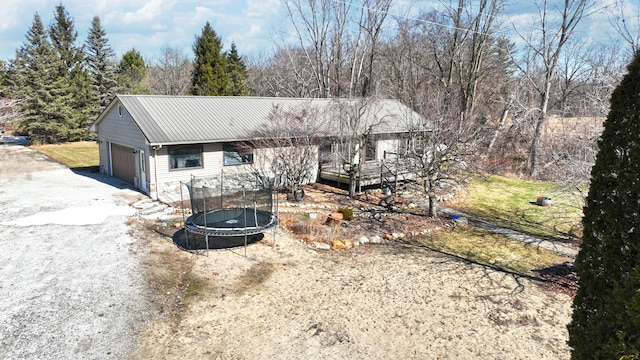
<point>63,38</point>
<point>238,74</point>
<point>74,92</point>
<point>132,71</point>
<point>606,308</point>
<point>101,67</point>
<point>210,66</point>
<point>33,77</point>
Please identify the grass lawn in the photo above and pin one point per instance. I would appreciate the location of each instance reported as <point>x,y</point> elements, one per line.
<point>511,203</point>
<point>484,247</point>
<point>74,155</point>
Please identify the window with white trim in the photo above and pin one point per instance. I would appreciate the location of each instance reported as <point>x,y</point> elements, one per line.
<point>185,157</point>
<point>236,154</point>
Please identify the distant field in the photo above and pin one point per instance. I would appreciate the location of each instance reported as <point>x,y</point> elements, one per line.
<point>74,155</point>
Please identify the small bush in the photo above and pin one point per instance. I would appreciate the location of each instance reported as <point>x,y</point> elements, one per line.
<point>347,213</point>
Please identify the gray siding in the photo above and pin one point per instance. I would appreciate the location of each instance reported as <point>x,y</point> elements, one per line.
<point>120,130</point>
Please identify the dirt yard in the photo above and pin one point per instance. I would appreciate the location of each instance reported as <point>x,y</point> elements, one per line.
<point>288,300</point>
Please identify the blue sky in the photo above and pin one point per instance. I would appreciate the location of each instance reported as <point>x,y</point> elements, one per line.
<point>149,25</point>
<point>254,25</point>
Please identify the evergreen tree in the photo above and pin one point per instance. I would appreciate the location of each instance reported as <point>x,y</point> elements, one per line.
<point>606,309</point>
<point>74,93</point>
<point>209,69</point>
<point>132,71</point>
<point>63,38</point>
<point>238,74</point>
<point>33,77</point>
<point>4,79</point>
<point>101,67</point>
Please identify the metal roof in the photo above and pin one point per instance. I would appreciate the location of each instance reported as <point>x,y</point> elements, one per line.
<point>204,119</point>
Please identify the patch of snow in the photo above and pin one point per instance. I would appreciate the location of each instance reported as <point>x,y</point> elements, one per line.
<point>87,215</point>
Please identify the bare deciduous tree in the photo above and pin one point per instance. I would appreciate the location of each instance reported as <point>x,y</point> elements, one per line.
<point>340,41</point>
<point>437,66</point>
<point>287,146</point>
<point>626,25</point>
<point>9,110</point>
<point>285,73</point>
<point>354,124</point>
<point>543,48</point>
<point>170,74</point>
<point>442,148</point>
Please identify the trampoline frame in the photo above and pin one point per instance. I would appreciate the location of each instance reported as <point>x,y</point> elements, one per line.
<point>193,226</point>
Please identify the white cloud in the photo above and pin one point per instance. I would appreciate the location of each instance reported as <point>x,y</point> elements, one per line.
<point>150,25</point>
<point>152,10</point>
<point>262,8</point>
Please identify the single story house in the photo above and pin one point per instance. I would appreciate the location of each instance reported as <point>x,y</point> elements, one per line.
<point>155,142</point>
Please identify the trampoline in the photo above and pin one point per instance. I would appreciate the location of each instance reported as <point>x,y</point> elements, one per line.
<point>230,222</point>
<point>229,207</point>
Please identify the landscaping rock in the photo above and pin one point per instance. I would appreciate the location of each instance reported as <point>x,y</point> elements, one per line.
<point>337,245</point>
<point>337,215</point>
<point>143,204</point>
<point>322,246</point>
<point>543,201</point>
<point>376,239</point>
<point>461,221</point>
<point>363,240</point>
<point>348,243</point>
<point>334,219</point>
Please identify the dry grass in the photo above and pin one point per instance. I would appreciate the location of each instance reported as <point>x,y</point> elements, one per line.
<point>307,229</point>
<point>253,278</point>
<point>484,247</point>
<point>74,155</point>
<point>169,272</point>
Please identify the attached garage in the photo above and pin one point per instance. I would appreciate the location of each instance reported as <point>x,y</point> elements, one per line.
<point>123,162</point>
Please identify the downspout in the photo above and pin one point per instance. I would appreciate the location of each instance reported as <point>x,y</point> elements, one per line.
<point>155,168</point>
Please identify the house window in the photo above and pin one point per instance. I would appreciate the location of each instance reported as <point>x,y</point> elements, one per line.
<point>404,146</point>
<point>325,152</point>
<point>370,150</point>
<point>412,144</point>
<point>235,154</point>
<point>419,144</point>
<point>143,164</point>
<point>120,110</point>
<point>185,157</point>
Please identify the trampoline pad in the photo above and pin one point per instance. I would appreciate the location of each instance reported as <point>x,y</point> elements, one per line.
<point>231,222</point>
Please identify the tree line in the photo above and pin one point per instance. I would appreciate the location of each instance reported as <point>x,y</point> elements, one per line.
<point>58,87</point>
<point>455,66</point>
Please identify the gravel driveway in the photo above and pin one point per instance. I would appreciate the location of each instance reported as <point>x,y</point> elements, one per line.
<point>69,281</point>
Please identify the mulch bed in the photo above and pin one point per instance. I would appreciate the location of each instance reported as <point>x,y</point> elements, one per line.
<point>375,213</point>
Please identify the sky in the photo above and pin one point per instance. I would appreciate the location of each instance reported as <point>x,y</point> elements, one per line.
<point>254,25</point>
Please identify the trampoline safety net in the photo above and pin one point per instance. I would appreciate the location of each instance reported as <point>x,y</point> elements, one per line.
<point>229,206</point>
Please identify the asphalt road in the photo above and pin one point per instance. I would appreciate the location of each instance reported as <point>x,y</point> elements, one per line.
<point>70,286</point>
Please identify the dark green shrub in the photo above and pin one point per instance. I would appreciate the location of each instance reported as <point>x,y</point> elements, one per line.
<point>606,308</point>
<point>347,213</point>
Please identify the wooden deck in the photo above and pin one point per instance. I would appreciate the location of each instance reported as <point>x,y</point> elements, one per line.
<point>372,173</point>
